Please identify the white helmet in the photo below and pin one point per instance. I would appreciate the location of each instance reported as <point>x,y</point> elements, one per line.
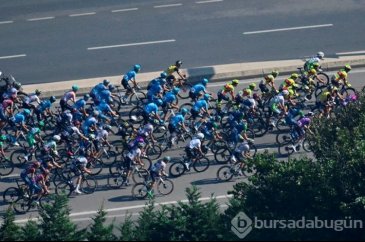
<point>320,55</point>
<point>200,136</point>
<point>285,92</point>
<point>56,138</point>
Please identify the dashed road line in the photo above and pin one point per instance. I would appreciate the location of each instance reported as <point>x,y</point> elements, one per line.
<point>81,14</point>
<point>12,56</point>
<point>168,5</point>
<point>209,1</point>
<point>351,52</point>
<point>124,10</point>
<point>288,29</point>
<point>131,44</point>
<point>38,19</point>
<point>6,22</point>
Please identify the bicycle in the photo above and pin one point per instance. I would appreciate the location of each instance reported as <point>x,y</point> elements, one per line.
<point>200,164</point>
<point>164,186</point>
<point>23,204</point>
<point>11,194</point>
<point>227,172</point>
<point>6,166</point>
<point>223,155</point>
<point>116,180</point>
<point>88,184</point>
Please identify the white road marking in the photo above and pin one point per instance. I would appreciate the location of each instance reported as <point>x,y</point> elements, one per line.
<point>37,19</point>
<point>132,44</point>
<point>209,1</point>
<point>288,29</point>
<point>12,175</point>
<point>81,14</point>
<point>131,207</point>
<point>124,10</point>
<point>6,22</point>
<point>12,56</point>
<point>168,5</point>
<point>352,52</point>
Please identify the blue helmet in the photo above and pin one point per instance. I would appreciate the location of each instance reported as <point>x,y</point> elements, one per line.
<point>205,81</point>
<point>163,75</point>
<point>106,82</point>
<point>137,68</point>
<point>176,90</point>
<point>26,112</point>
<point>206,97</point>
<point>184,111</point>
<point>52,99</point>
<point>158,102</point>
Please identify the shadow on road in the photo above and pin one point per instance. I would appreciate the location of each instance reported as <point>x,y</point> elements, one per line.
<point>205,181</point>
<point>124,198</point>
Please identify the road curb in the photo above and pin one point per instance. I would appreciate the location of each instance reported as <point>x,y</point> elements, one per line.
<point>213,73</point>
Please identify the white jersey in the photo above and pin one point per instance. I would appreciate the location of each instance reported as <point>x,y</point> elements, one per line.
<point>278,99</point>
<point>159,166</point>
<point>71,130</point>
<point>146,130</point>
<point>195,143</point>
<point>134,153</point>
<point>102,134</point>
<point>31,98</point>
<point>243,146</point>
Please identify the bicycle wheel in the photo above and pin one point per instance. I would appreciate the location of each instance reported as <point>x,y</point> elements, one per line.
<point>253,150</point>
<point>165,187</point>
<point>18,157</point>
<point>95,165</point>
<point>116,167</point>
<point>88,184</point>
<point>11,194</point>
<point>6,167</point>
<point>322,77</point>
<point>177,169</point>
<point>307,146</point>
<point>137,98</point>
<point>115,180</point>
<point>225,173</point>
<point>140,176</point>
<point>63,188</point>
<point>285,149</point>
<point>184,91</point>
<point>21,205</point>
<point>139,191</point>
<point>159,132</point>
<point>259,127</point>
<point>136,115</point>
<point>201,164</point>
<point>108,158</point>
<point>281,125</point>
<point>283,138</point>
<point>147,163</point>
<point>222,155</point>
<point>348,92</point>
<point>154,151</point>
<point>47,200</point>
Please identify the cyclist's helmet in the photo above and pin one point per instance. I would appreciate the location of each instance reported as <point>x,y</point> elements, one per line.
<point>252,86</point>
<point>285,92</point>
<point>235,82</point>
<point>275,73</point>
<point>106,82</point>
<point>184,111</point>
<point>320,55</point>
<point>178,63</point>
<point>176,90</point>
<point>2,137</point>
<point>86,97</point>
<point>41,124</point>
<point>312,71</point>
<point>141,144</point>
<point>300,113</point>
<point>37,92</point>
<point>206,97</point>
<point>75,88</point>
<point>294,76</point>
<point>96,113</point>
<point>107,127</point>
<point>52,99</point>
<point>347,68</point>
<point>56,138</point>
<point>17,85</point>
<point>137,68</point>
<point>26,112</point>
<point>167,159</point>
<point>111,88</point>
<point>163,74</point>
<point>200,136</point>
<point>205,81</point>
<point>159,102</point>
<point>91,136</point>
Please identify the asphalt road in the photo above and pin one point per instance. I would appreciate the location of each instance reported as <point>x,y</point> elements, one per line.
<point>118,203</point>
<point>57,40</point>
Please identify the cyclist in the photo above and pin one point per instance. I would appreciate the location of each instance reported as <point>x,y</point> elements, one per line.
<point>193,149</point>
<point>49,152</point>
<point>6,108</point>
<point>314,61</point>
<point>17,122</point>
<point>3,138</point>
<point>268,81</point>
<point>133,157</point>
<point>326,100</point>
<point>41,183</point>
<point>289,83</point>
<point>44,108</point>
<point>277,106</point>
<point>105,95</point>
<point>171,79</point>
<point>341,77</point>
<point>169,102</point>
<point>68,132</point>
<point>34,97</point>
<point>147,131</point>
<point>157,170</point>
<point>227,89</point>
<point>155,91</point>
<point>33,136</point>
<point>70,95</point>
<point>198,89</point>
<point>79,166</point>
<point>104,108</point>
<point>130,76</point>
<point>159,80</point>
<point>90,123</point>
<point>28,176</point>
<point>303,125</point>
<point>79,107</point>
<point>99,88</point>
<point>241,151</point>
<point>151,110</point>
<point>200,108</point>
<point>175,123</point>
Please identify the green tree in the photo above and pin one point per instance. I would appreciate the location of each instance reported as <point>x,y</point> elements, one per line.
<point>56,224</point>
<point>30,232</point>
<point>127,229</point>
<point>9,231</point>
<point>98,231</point>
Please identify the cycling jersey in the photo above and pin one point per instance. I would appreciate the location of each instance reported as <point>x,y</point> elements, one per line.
<point>70,130</point>
<point>104,107</point>
<point>278,99</point>
<point>44,105</point>
<point>31,98</point>
<point>242,147</point>
<point>325,96</point>
<point>171,69</point>
<point>6,103</point>
<point>134,153</point>
<point>200,104</point>
<point>194,144</point>
<point>104,95</point>
<point>98,88</point>
<point>169,97</point>
<point>197,88</point>
<point>79,104</point>
<point>129,75</point>
<point>151,108</point>
<point>309,64</point>
<point>158,166</point>
<point>70,95</point>
<point>176,120</point>
<point>305,121</point>
<point>18,118</point>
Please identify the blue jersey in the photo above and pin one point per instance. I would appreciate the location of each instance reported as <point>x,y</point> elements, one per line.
<point>169,97</point>
<point>19,118</point>
<point>155,89</point>
<point>104,107</point>
<point>177,120</point>
<point>104,95</point>
<point>98,88</point>
<point>79,104</point>
<point>130,75</point>
<point>200,104</point>
<point>151,107</point>
<point>197,88</point>
<point>46,104</point>
<point>90,121</point>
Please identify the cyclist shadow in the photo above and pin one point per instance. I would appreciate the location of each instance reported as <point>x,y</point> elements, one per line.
<point>206,181</point>
<point>124,198</point>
